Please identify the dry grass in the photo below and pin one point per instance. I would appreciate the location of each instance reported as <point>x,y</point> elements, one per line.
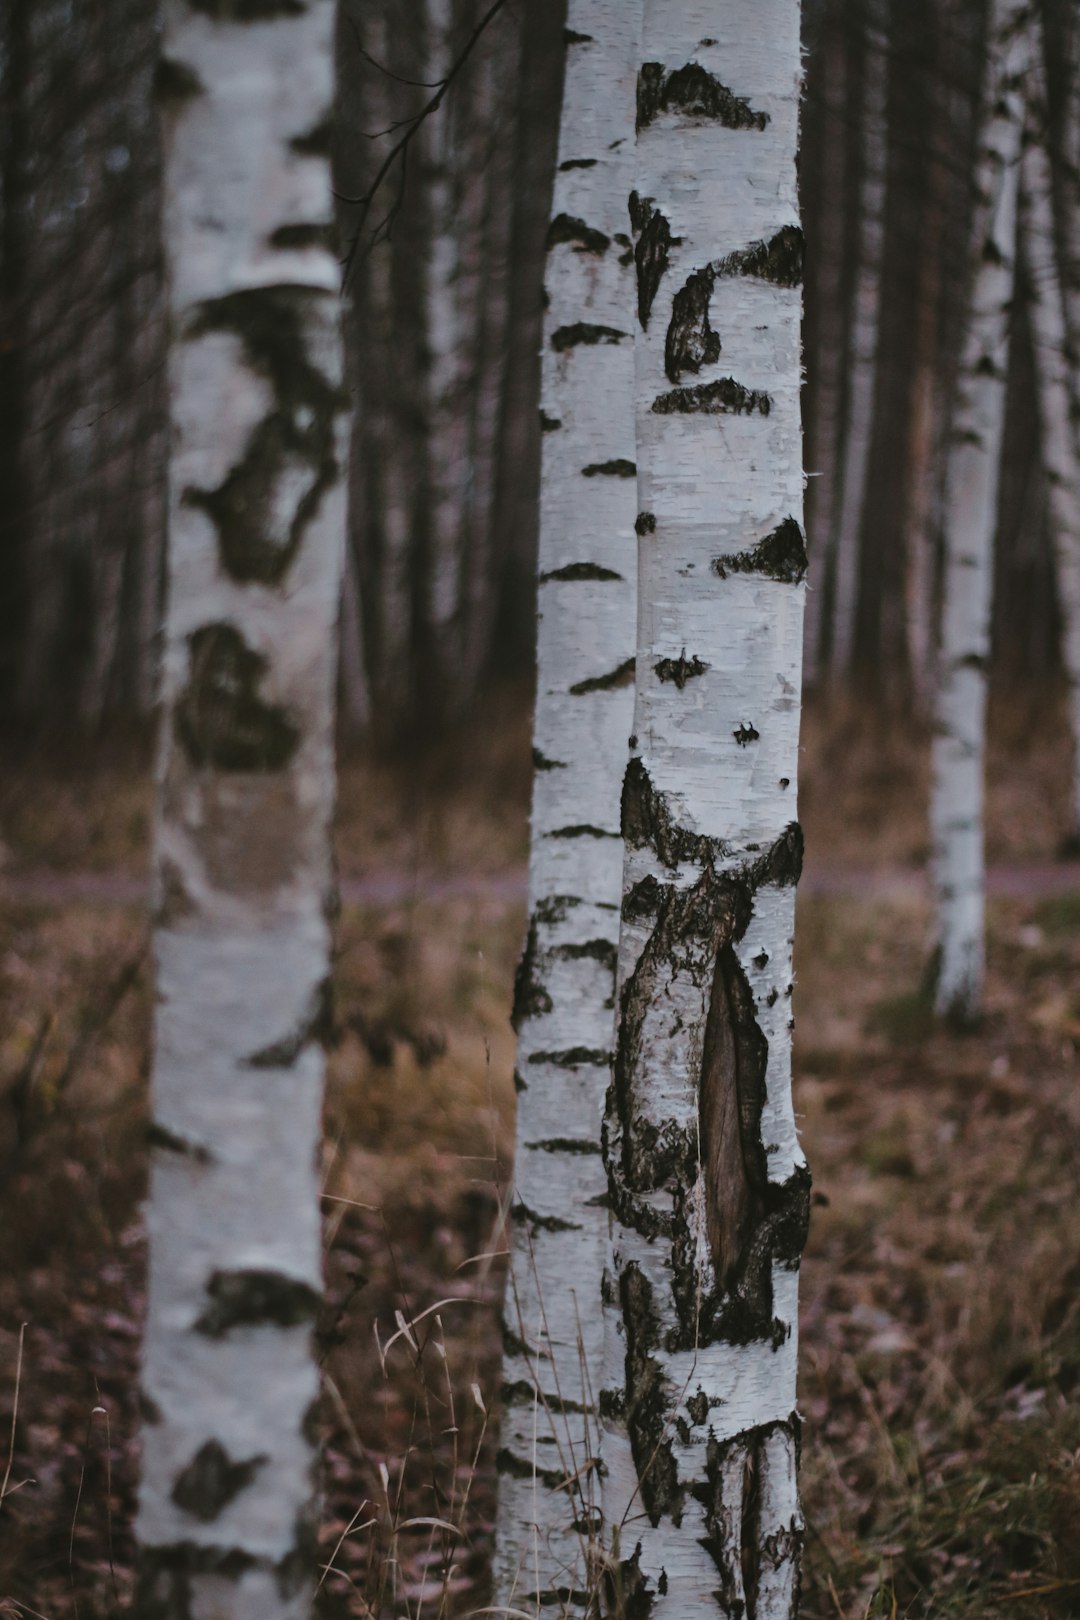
<point>941,1311</point>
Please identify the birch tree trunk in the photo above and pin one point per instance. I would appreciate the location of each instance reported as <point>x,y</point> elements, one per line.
<point>553,1327</point>
<point>866,322</point>
<point>707,1183</point>
<point>956,800</point>
<point>242,852</point>
<point>1057,395</point>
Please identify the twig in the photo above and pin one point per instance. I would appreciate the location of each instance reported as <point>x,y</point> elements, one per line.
<point>400,150</point>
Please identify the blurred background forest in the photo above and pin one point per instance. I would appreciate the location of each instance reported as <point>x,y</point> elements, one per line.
<point>941,1318</point>
<point>444,476</point>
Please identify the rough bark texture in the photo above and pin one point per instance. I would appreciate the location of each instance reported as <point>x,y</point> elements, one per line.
<point>242,858</point>
<point>956,809</point>
<point>708,1186</point>
<point>549,1487</point>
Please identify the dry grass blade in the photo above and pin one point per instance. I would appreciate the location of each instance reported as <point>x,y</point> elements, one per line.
<point>4,1491</point>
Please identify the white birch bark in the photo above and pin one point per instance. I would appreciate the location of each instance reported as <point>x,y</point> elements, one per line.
<point>1057,396</point>
<point>866,322</point>
<point>549,1489</point>
<point>708,1186</point>
<point>242,850</point>
<point>956,800</point>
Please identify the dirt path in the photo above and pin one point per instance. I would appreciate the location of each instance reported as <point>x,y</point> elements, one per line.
<point>46,887</point>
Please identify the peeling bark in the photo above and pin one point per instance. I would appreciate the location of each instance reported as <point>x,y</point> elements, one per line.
<point>242,841</point>
<point>708,1188</point>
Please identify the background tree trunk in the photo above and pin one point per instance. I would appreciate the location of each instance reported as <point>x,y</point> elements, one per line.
<point>243,873</point>
<point>956,807</point>
<point>707,1183</point>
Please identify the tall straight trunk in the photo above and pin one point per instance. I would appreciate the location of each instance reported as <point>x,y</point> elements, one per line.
<point>956,802</point>
<point>243,874</point>
<point>825,412</point>
<point>517,497</point>
<point>866,324</point>
<point>1057,397</point>
<point>707,1183</point>
<point>549,1487</point>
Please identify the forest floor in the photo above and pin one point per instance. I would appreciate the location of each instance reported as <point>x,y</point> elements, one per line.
<point>941,1285</point>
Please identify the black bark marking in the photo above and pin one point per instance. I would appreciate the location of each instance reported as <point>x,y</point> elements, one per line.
<point>581,570</point>
<point>549,424</point>
<point>252,1298</point>
<point>211,1479</point>
<point>542,763</point>
<point>175,82</point>
<point>221,720</point>
<point>731,1095</point>
<point>163,1577</point>
<point>574,1057</point>
<point>627,1590</point>
<point>692,92</point>
<point>645,523</point>
<point>174,902</point>
<point>318,141</point>
<point>531,1000</point>
<point>780,556</point>
<point>248,10</point>
<point>779,260</point>
<point>565,228</point>
<point>563,1144</point>
<point>610,469</point>
<point>524,1216</point>
<point>746,734</point>
<point>573,38</point>
<point>604,951</point>
<point>299,235</point>
<point>149,1410</point>
<point>647,821</point>
<point>297,436</point>
<point>526,1468</point>
<point>520,1392</point>
<point>316,1024</point>
<point>556,908</point>
<point>679,670</point>
<point>691,940</point>
<point>584,332</point>
<point>622,676</point>
<point>653,242</point>
<point>733,1515</point>
<point>581,829</point>
<point>647,1401</point>
<point>170,1141</point>
<point>691,341</point>
<point>724,397</point>
<point>577,163</point>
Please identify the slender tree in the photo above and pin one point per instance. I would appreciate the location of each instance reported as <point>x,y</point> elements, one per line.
<point>956,806</point>
<point>1058,395</point>
<point>708,1187</point>
<point>242,850</point>
<point>865,334</point>
<point>549,1489</point>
